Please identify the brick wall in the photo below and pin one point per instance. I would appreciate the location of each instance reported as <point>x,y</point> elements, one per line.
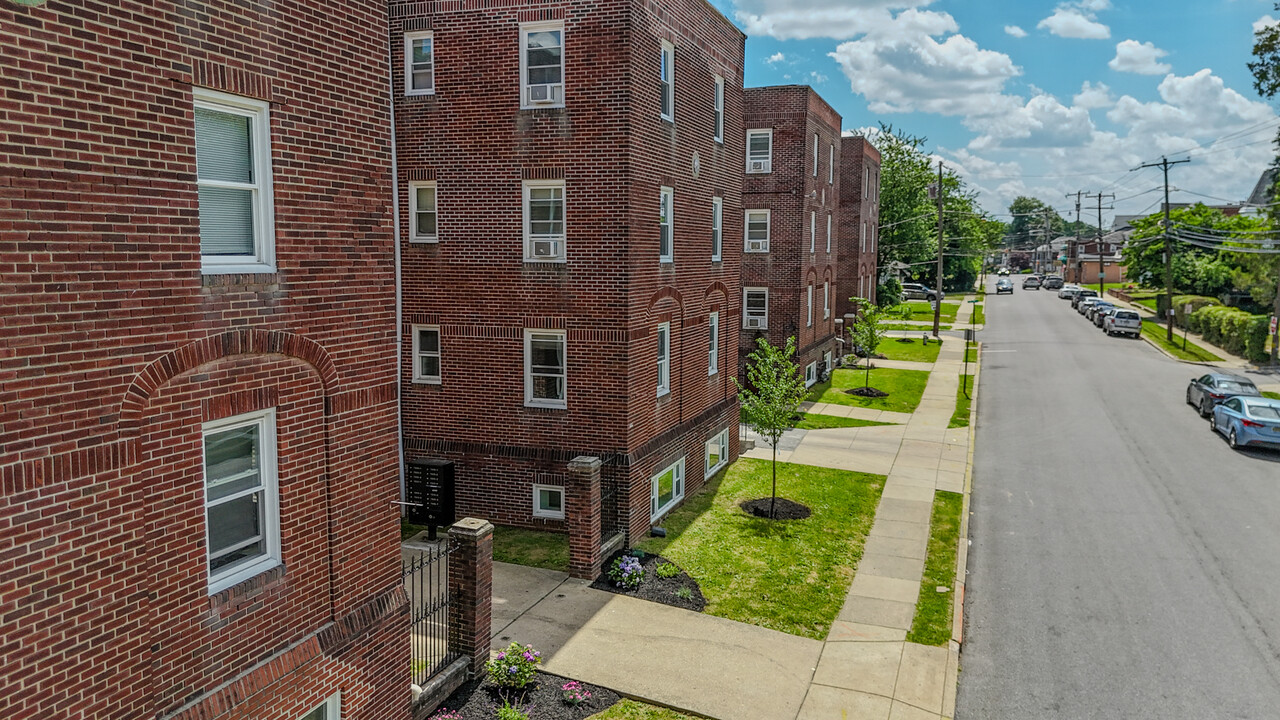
<point>613,153</point>
<point>859,206</point>
<point>791,192</point>
<point>115,348</point>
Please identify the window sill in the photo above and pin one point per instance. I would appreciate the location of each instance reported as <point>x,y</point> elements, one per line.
<point>419,93</point>
<point>245,588</point>
<point>664,393</point>
<point>525,108</point>
<point>424,241</point>
<point>663,511</point>
<point>421,381</point>
<point>232,279</point>
<point>539,406</point>
<point>248,267</point>
<point>548,516</point>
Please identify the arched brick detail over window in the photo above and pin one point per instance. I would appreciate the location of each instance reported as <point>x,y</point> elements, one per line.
<point>663,294</point>
<point>714,289</point>
<point>244,341</point>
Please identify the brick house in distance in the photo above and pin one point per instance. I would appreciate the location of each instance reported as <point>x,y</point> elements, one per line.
<point>859,223</point>
<point>571,176</point>
<point>790,206</point>
<point>198,434</point>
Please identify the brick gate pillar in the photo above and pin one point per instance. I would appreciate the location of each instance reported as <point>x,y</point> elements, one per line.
<point>471,584</point>
<point>582,516</point>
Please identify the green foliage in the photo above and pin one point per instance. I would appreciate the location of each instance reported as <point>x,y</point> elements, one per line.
<point>866,332</point>
<point>667,570</point>
<point>626,572</point>
<point>1196,270</point>
<point>514,667</point>
<point>889,291</point>
<point>1266,69</point>
<point>1233,330</point>
<point>932,622</point>
<point>511,712</point>
<point>771,400</point>
<point>1180,302</point>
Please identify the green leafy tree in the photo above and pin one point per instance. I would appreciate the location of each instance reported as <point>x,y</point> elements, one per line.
<point>1266,69</point>
<point>867,332</point>
<point>775,388</point>
<point>1196,270</point>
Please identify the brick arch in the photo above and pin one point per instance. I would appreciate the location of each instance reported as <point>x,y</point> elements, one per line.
<point>811,276</point>
<point>244,341</point>
<point>712,289</point>
<point>663,294</point>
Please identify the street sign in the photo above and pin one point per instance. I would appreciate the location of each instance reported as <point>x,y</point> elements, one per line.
<point>1273,324</point>
<point>1186,309</point>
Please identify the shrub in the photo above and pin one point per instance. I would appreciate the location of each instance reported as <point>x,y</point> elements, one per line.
<point>889,292</point>
<point>667,570</point>
<point>1180,302</point>
<point>1234,330</point>
<point>514,667</point>
<point>626,572</point>
<point>446,714</point>
<point>511,712</point>
<point>574,693</point>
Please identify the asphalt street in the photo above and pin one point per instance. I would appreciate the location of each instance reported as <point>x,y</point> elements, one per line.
<point>1125,563</point>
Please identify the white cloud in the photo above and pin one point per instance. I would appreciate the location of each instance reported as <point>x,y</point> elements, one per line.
<point>775,58</point>
<point>1042,122</point>
<point>817,77</point>
<point>1199,105</point>
<point>1263,22</point>
<point>806,19</point>
<point>1015,31</point>
<point>1141,58</point>
<point>1093,96</point>
<point>1072,23</point>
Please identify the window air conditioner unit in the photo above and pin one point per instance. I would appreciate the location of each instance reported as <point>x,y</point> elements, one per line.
<point>757,246</point>
<point>546,248</point>
<point>755,323</point>
<point>544,94</point>
<point>760,166</point>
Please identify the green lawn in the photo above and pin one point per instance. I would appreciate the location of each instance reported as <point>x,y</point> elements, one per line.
<point>960,418</point>
<point>626,709</point>
<point>408,530</point>
<point>818,421</point>
<point>520,546</point>
<point>904,387</point>
<point>978,317</point>
<point>971,352</point>
<point>1272,395</point>
<point>920,310</point>
<point>917,328</point>
<point>787,575</point>
<point>914,351</point>
<point>1194,353</point>
<point>932,623</point>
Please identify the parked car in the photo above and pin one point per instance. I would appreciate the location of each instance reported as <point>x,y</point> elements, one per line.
<point>1094,308</point>
<point>1085,303</point>
<point>1207,391</point>
<point>1053,282</point>
<point>1081,295</point>
<point>1123,322</point>
<point>1004,271</point>
<point>1004,285</point>
<point>916,291</point>
<point>1100,313</point>
<point>1068,291</point>
<point>1031,282</point>
<point>1248,421</point>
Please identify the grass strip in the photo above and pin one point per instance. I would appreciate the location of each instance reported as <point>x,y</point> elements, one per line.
<point>786,575</point>
<point>960,418</point>
<point>932,623</point>
<point>914,351</point>
<point>979,317</point>
<point>904,387</point>
<point>535,548</point>
<point>818,421</point>
<point>920,328</point>
<point>1194,353</point>
<point>922,310</point>
<point>627,709</point>
<point>971,352</point>
<point>1272,395</point>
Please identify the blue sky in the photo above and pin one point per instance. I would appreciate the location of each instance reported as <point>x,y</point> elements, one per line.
<point>1037,97</point>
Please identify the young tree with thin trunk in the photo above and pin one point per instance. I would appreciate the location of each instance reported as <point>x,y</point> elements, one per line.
<point>866,332</point>
<point>775,388</point>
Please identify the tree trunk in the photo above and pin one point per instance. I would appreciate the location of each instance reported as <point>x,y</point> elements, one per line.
<point>866,380</point>
<point>774,497</point>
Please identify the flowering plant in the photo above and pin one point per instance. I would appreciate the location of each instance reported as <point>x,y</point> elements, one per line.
<point>514,667</point>
<point>626,572</point>
<point>445,714</point>
<point>574,693</point>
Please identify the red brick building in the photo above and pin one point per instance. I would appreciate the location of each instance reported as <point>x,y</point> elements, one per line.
<point>790,207</point>
<point>198,438</point>
<point>859,222</point>
<point>570,176</point>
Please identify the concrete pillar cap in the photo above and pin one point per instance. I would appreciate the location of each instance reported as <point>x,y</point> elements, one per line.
<point>471,528</point>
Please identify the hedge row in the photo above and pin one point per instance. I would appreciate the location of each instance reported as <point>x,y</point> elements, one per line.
<point>1196,302</point>
<point>1236,331</point>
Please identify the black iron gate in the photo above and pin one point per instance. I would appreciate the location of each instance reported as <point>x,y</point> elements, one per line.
<point>425,574</point>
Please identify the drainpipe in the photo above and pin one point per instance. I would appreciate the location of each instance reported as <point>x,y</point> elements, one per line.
<point>395,210</point>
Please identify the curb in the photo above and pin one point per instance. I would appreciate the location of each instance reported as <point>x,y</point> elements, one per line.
<point>1171,356</point>
<point>962,554</point>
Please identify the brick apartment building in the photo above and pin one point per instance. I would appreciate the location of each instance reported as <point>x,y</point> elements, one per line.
<point>859,221</point>
<point>570,176</point>
<point>198,438</point>
<point>790,206</point>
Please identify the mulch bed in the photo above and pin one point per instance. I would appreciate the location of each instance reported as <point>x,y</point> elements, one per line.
<point>867,392</point>
<point>783,509</point>
<point>654,588</point>
<point>543,700</point>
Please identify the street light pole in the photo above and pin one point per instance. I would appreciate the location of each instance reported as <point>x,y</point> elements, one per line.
<point>1168,245</point>
<point>937,305</point>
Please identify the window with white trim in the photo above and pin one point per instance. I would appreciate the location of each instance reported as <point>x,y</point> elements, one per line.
<point>667,82</point>
<point>756,231</point>
<point>542,65</point>
<point>713,343</point>
<point>548,501</point>
<point>717,452</point>
<point>664,358</point>
<point>862,238</point>
<point>544,233</point>
<point>665,234</point>
<point>826,300</point>
<point>755,308</point>
<point>233,183</point>
<point>545,368</point>
<point>808,322</point>
<point>330,709</point>
<point>810,374</point>
<point>666,489</point>
<point>866,182</point>
<point>760,151</point>
<point>813,230</point>
<point>422,212</point>
<point>426,354</point>
<point>831,164</point>
<point>815,154</point>
<point>826,361</point>
<point>718,109</point>
<point>717,228</point>
<point>419,64</point>
<point>242,509</point>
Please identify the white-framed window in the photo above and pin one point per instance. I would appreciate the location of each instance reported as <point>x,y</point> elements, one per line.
<point>667,489</point>
<point>826,361</point>
<point>808,321</point>
<point>826,300</point>
<point>866,182</point>
<point>233,181</point>
<point>242,509</point>
<point>664,358</point>
<point>813,230</point>
<point>810,374</point>
<point>548,501</point>
<point>717,451</point>
<point>760,151</point>
<point>667,81</point>
<point>422,212</point>
<point>717,228</point>
<point>545,368</point>
<point>665,235</point>
<point>831,164</point>
<point>756,231</point>
<point>828,233</point>
<point>426,354</point>
<point>330,709</point>
<point>419,64</point>
<point>815,154</point>
<point>755,308</point>
<point>860,292</point>
<point>862,238</point>
<point>544,233</point>
<point>542,65</point>
<point>718,130</point>
<point>713,343</point>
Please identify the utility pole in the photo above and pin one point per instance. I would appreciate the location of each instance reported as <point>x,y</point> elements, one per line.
<point>1168,245</point>
<point>1048,241</point>
<point>1071,254</point>
<point>1102,273</point>
<point>937,305</point>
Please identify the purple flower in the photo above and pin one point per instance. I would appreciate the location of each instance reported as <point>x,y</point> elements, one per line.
<point>513,670</point>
